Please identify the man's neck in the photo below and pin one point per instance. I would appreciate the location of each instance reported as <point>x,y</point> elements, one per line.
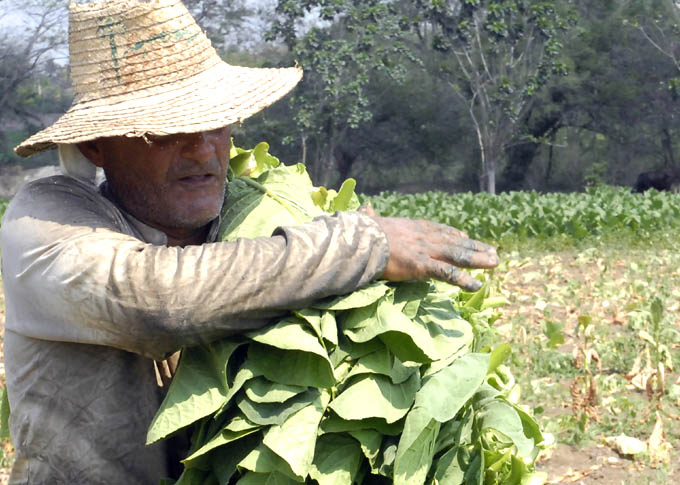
<point>195,238</point>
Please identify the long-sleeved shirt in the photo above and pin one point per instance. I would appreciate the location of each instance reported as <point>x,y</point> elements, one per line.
<point>94,296</point>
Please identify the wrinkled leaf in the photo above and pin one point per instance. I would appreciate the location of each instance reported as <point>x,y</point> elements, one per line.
<point>358,299</point>
<point>263,391</point>
<point>416,448</point>
<point>198,389</point>
<point>275,413</point>
<point>445,393</point>
<point>379,397</point>
<point>292,367</point>
<point>294,440</point>
<point>336,460</point>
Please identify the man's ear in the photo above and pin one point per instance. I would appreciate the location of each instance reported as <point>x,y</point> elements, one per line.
<point>90,149</point>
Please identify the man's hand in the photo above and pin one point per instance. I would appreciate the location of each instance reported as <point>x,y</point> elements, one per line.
<point>421,249</point>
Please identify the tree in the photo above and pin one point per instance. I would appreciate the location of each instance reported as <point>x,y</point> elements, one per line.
<point>338,43</point>
<point>616,103</point>
<point>226,22</point>
<point>24,50</point>
<point>28,50</point>
<point>503,51</point>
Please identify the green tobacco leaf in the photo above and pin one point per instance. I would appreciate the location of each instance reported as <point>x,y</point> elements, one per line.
<point>295,439</point>
<point>198,389</point>
<point>263,391</point>
<point>336,460</point>
<point>224,459</point>
<point>322,322</point>
<point>255,207</point>
<point>4,414</point>
<point>382,362</point>
<point>253,162</point>
<point>320,197</point>
<point>244,374</point>
<point>222,438</point>
<point>265,161</point>
<point>474,475</point>
<point>370,441</point>
<point>530,427</point>
<point>289,334</point>
<point>499,355</point>
<point>329,327</point>
<point>502,417</point>
<point>657,310</point>
<point>379,397</point>
<point>448,469</point>
<point>410,340</point>
<point>358,299</point>
<point>275,413</point>
<point>388,453</point>
<point>243,163</point>
<point>346,199</point>
<point>194,476</point>
<point>409,294</point>
<point>302,361</point>
<point>416,448</point>
<point>312,317</point>
<point>335,424</point>
<point>358,350</point>
<point>239,423</point>
<point>553,330</point>
<point>272,478</point>
<point>292,367</point>
<point>444,393</point>
<point>477,299</point>
<point>263,461</point>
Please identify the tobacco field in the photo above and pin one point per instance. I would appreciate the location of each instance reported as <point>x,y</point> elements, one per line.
<point>585,309</point>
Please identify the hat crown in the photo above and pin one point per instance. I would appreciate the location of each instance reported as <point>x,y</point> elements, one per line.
<point>120,47</point>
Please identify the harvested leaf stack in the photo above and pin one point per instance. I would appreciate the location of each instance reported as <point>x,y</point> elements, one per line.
<point>392,383</point>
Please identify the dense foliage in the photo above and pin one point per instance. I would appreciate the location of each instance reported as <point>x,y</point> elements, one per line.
<point>384,99</point>
<point>599,210</point>
<point>397,382</point>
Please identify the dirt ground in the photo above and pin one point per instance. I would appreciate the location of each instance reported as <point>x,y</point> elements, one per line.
<point>610,288</point>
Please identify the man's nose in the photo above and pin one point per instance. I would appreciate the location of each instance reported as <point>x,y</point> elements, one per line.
<point>198,147</point>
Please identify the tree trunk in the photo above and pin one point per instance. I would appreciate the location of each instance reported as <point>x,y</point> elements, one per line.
<point>667,143</point>
<point>521,155</point>
<point>491,177</point>
<point>303,142</point>
<point>487,181</point>
<point>344,162</point>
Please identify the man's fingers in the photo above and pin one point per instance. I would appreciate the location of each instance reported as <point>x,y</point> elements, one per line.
<point>440,270</point>
<point>463,252</point>
<point>468,258</point>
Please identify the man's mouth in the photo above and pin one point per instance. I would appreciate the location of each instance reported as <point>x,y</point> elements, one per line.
<point>198,180</point>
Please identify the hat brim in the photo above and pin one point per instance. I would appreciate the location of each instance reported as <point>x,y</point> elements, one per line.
<point>217,97</point>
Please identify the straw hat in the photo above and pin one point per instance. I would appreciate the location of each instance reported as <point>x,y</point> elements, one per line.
<point>145,67</point>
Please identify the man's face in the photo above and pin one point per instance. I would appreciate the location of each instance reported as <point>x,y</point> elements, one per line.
<point>175,183</point>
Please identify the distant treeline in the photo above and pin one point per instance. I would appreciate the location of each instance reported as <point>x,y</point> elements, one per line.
<point>400,96</point>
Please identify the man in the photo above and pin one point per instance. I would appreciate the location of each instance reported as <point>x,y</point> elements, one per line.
<point>102,281</point>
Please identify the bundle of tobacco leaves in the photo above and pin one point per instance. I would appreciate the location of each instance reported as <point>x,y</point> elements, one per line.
<point>392,383</point>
